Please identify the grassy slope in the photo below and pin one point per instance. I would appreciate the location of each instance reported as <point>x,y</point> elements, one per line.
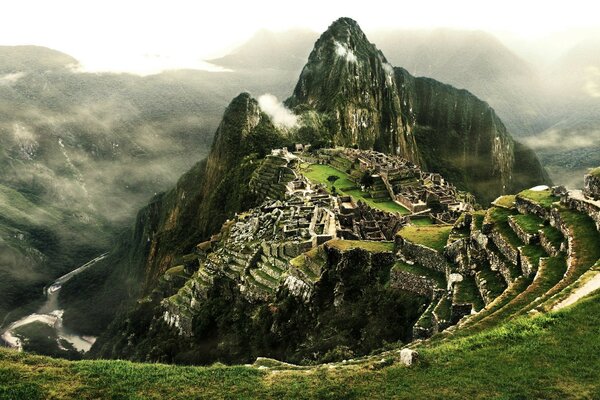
<point>434,236</point>
<point>530,357</point>
<point>319,173</point>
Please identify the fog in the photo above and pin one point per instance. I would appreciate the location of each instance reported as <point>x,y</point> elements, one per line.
<point>150,36</point>
<point>277,111</point>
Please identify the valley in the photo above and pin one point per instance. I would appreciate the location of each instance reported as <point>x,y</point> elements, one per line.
<point>50,314</point>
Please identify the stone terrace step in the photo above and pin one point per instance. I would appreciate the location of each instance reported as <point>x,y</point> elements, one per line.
<point>490,284</point>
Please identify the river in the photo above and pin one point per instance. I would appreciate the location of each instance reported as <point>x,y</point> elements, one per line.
<point>51,314</point>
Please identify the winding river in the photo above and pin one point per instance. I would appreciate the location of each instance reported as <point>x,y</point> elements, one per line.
<point>51,314</point>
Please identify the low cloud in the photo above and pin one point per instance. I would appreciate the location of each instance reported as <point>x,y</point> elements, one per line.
<point>592,81</point>
<point>9,79</point>
<point>563,139</point>
<point>343,51</point>
<point>277,111</point>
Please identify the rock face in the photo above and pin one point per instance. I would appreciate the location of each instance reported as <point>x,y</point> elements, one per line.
<point>362,100</point>
<point>592,184</point>
<point>347,78</point>
<point>344,307</point>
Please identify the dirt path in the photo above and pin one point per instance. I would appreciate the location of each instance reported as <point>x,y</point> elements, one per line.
<point>587,288</point>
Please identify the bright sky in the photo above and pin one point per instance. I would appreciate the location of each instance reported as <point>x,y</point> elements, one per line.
<point>145,36</point>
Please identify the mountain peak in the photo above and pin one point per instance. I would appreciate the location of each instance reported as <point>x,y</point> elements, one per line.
<point>345,27</point>
<point>349,79</point>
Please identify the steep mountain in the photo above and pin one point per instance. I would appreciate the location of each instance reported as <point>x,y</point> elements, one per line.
<point>347,94</point>
<point>361,100</point>
<point>475,61</point>
<point>461,137</point>
<point>209,193</point>
<point>350,81</point>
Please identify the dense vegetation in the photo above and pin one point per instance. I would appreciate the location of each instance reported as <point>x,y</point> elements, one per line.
<point>370,316</point>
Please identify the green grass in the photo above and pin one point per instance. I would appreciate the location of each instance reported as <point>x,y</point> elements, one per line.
<point>585,249</point>
<point>507,201</point>
<point>421,221</point>
<point>443,309</point>
<point>542,197</point>
<point>494,282</point>
<point>375,247</point>
<point>318,173</point>
<point>478,217</point>
<point>434,236</point>
<point>529,223</point>
<point>499,216</point>
<point>533,253</point>
<point>438,277</point>
<point>595,172</point>
<point>526,358</point>
<point>466,291</point>
<point>554,235</point>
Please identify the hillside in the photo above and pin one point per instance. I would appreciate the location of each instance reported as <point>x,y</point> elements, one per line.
<point>84,151</point>
<point>484,365</point>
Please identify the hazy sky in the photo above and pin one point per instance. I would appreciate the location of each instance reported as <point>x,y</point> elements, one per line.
<point>144,36</point>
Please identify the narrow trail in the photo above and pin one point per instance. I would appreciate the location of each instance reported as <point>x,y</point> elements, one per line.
<point>590,286</point>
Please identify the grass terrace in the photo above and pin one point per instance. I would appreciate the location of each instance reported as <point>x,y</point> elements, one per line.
<point>434,236</point>
<point>507,201</point>
<point>318,173</point>
<point>421,221</point>
<point>499,216</point>
<point>595,172</point>
<point>529,223</point>
<point>466,291</point>
<point>374,247</point>
<point>541,197</point>
<point>554,235</point>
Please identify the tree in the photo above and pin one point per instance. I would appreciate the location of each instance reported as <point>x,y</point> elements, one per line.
<point>367,179</point>
<point>332,179</point>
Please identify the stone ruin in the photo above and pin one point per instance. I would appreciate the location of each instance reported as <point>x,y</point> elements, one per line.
<point>404,182</point>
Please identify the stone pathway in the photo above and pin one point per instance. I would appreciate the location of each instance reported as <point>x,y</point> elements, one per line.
<point>587,288</point>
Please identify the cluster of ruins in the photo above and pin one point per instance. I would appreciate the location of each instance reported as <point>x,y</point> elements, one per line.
<point>405,183</point>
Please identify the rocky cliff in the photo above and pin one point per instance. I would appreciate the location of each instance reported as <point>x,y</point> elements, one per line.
<point>349,79</point>
<point>174,221</point>
<point>364,101</point>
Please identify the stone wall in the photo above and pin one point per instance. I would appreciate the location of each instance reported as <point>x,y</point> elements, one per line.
<point>408,281</point>
<point>458,254</point>
<point>526,206</point>
<point>505,247</point>
<point>499,264</point>
<point>527,238</point>
<point>422,255</point>
<point>547,245</point>
<point>591,186</point>
<point>589,207</point>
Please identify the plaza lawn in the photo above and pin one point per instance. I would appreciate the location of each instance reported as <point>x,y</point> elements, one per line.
<point>434,236</point>
<point>318,173</point>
